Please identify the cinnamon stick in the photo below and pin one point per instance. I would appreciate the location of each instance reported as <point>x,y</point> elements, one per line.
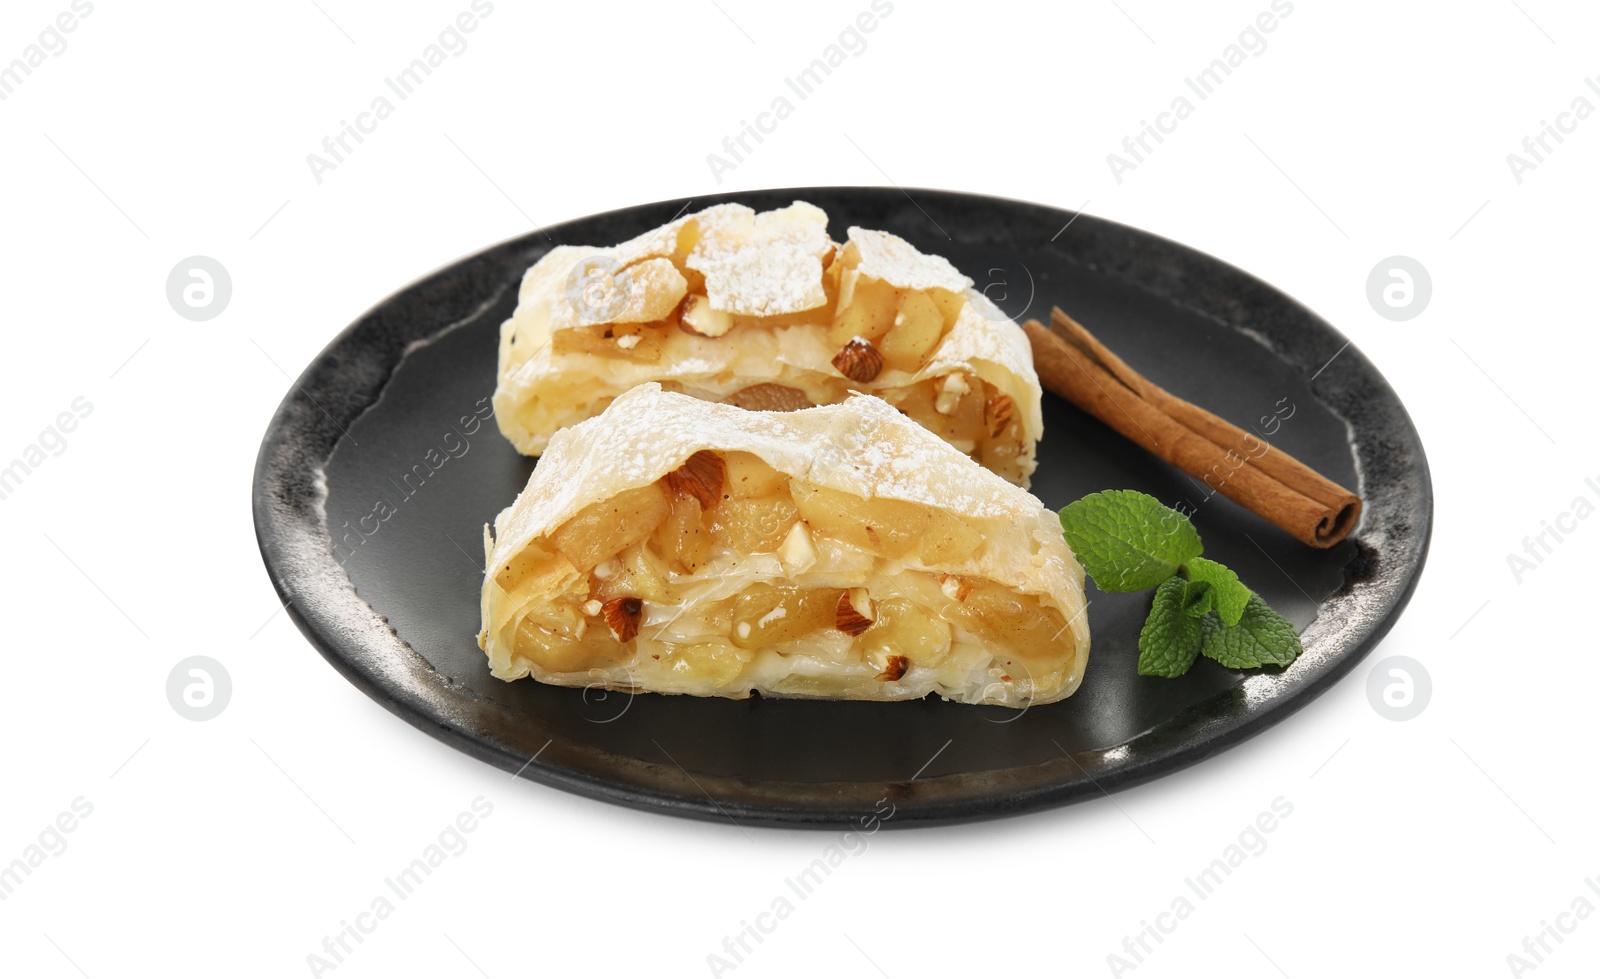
<point>1238,464</point>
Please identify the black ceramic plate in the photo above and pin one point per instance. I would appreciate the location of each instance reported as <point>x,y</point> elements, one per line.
<point>376,477</point>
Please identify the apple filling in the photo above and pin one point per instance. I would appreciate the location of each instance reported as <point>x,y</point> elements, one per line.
<point>729,575</point>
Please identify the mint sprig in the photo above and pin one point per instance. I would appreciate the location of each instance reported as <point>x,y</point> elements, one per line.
<point>1128,541</point>
<point>1230,593</point>
<point>1171,637</point>
<point>1198,597</point>
<point>1261,638</point>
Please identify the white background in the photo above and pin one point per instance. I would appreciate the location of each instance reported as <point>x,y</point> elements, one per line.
<point>232,847</point>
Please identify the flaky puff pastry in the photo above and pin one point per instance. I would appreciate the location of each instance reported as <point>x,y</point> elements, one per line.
<point>681,546</point>
<point>765,311</point>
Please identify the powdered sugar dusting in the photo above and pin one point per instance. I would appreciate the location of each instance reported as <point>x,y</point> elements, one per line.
<point>770,267</point>
<point>895,261</point>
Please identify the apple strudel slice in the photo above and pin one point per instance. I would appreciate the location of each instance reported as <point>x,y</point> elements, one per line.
<point>680,546</point>
<point>766,312</point>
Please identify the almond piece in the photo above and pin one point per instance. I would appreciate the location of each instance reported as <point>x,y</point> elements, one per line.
<point>696,316</point>
<point>896,668</point>
<point>700,477</point>
<point>623,616</point>
<point>999,411</point>
<point>952,388</point>
<point>859,360</point>
<point>769,397</point>
<point>955,588</point>
<point>847,618</point>
<point>797,552</point>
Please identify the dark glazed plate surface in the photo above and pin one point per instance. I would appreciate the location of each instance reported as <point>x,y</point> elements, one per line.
<point>395,609</point>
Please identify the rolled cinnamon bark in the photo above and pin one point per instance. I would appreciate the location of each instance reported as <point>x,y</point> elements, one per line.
<point>1241,466</point>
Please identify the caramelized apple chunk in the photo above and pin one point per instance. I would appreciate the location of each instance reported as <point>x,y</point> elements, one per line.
<point>560,653</point>
<point>639,343</point>
<point>917,328</point>
<point>682,540</point>
<point>1017,621</point>
<point>746,476</point>
<point>949,304</point>
<point>1006,456</point>
<point>768,614</point>
<point>947,540</point>
<point>753,526</point>
<point>866,309</point>
<point>534,563</point>
<point>948,407</point>
<point>637,571</point>
<point>601,530</point>
<point>889,528</point>
<point>713,661</point>
<point>903,629</point>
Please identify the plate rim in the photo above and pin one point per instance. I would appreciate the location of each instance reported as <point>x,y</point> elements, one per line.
<point>288,496</point>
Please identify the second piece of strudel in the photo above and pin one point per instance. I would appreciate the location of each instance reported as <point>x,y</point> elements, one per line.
<point>765,311</point>
<point>680,546</point>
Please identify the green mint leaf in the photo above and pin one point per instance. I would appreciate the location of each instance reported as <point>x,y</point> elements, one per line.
<point>1262,638</point>
<point>1128,541</point>
<point>1230,594</point>
<point>1197,598</point>
<point>1170,639</point>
